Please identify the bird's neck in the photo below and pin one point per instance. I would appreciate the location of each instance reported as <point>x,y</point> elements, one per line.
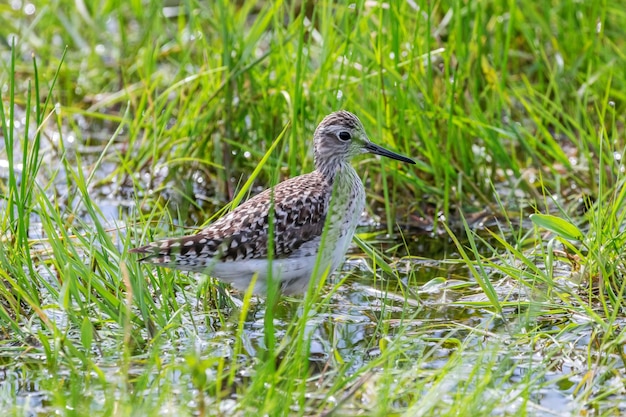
<point>334,168</point>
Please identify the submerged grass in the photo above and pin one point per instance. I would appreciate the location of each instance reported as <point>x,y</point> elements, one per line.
<point>124,122</point>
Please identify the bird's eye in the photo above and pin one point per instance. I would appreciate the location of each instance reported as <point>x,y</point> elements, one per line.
<point>345,136</point>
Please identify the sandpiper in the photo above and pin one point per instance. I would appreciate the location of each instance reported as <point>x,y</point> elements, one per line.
<point>314,212</point>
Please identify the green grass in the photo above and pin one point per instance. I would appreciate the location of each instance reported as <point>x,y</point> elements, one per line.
<point>123,122</point>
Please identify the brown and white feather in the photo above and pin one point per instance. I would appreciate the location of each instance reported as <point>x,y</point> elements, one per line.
<point>298,207</point>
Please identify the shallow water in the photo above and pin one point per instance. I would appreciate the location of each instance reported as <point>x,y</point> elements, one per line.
<point>357,318</point>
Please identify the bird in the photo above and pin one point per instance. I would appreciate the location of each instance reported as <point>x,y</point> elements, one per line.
<point>301,226</point>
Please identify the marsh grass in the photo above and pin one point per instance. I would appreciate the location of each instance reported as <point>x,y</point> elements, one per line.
<point>126,122</point>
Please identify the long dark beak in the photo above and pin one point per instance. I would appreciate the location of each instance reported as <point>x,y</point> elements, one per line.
<point>379,150</point>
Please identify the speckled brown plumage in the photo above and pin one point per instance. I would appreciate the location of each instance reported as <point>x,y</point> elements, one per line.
<point>299,208</point>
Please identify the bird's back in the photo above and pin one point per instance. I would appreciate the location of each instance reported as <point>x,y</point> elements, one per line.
<point>296,207</point>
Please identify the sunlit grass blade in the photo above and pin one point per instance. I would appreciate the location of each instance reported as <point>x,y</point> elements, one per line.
<point>558,226</point>
<point>475,265</point>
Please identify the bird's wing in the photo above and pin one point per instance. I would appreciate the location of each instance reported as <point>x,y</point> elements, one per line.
<point>298,207</point>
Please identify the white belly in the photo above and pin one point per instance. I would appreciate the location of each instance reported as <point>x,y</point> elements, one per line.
<point>292,273</point>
